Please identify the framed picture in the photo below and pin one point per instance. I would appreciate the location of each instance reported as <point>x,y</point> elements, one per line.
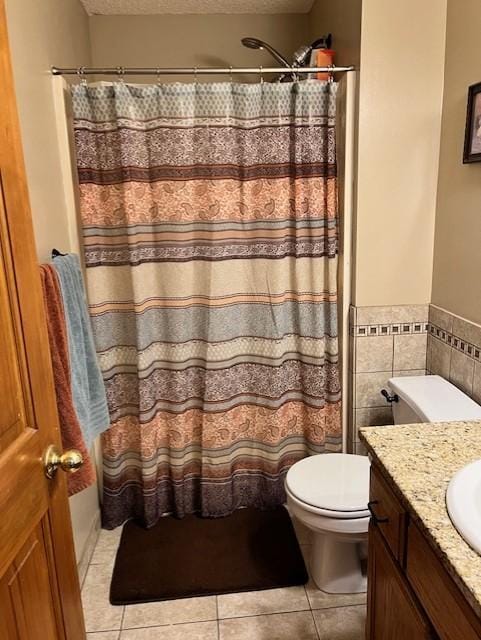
<point>472,140</point>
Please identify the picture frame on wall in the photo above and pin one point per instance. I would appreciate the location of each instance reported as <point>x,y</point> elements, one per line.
<point>472,139</point>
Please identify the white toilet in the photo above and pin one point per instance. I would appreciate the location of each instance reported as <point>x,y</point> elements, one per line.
<point>329,493</point>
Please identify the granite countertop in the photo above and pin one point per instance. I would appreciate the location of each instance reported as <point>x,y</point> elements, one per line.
<point>420,460</point>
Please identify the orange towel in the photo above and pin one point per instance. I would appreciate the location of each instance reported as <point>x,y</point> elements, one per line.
<point>69,425</point>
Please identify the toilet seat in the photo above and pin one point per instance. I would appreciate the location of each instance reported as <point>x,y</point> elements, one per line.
<point>333,485</point>
<point>331,514</point>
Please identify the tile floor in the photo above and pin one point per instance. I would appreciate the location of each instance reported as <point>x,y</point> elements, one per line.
<point>294,613</point>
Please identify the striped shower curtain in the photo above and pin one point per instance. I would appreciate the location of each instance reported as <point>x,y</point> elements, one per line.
<point>211,236</point>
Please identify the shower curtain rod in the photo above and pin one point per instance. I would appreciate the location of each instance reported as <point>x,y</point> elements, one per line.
<point>158,71</point>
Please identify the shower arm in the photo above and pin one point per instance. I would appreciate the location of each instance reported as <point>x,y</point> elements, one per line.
<point>276,55</point>
<point>280,58</point>
<point>255,43</point>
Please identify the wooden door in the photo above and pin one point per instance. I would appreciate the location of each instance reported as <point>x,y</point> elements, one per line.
<point>39,589</point>
<point>393,610</point>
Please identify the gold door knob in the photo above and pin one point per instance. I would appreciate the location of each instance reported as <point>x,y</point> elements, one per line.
<point>70,461</point>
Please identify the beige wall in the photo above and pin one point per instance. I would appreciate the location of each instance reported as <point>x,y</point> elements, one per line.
<point>342,18</point>
<point>457,247</point>
<point>401,84</point>
<point>193,40</point>
<point>43,34</point>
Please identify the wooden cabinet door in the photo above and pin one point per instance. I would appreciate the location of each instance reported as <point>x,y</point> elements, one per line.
<point>39,590</point>
<point>451,615</point>
<point>393,612</point>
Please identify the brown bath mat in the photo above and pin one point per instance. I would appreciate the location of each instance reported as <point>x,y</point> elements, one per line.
<point>247,551</point>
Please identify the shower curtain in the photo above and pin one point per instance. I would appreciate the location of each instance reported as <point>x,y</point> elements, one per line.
<point>211,237</point>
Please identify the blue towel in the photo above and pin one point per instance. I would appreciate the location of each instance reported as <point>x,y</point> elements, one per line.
<point>88,390</point>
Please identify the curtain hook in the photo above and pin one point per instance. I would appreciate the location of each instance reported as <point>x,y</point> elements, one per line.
<point>81,75</point>
<point>230,73</point>
<point>331,73</point>
<point>157,71</point>
<point>261,74</point>
<point>121,73</point>
<point>195,75</point>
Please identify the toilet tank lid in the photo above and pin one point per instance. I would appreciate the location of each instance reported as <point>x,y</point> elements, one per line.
<point>434,399</point>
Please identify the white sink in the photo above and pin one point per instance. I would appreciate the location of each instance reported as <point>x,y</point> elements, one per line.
<point>463,499</point>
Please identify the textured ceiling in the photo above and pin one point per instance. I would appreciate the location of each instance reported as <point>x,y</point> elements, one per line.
<point>139,7</point>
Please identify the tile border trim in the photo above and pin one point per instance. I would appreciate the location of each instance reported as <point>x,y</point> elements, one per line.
<point>472,351</point>
<point>387,329</point>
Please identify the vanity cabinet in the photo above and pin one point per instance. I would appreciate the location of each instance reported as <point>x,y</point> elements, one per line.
<point>393,609</point>
<point>411,596</point>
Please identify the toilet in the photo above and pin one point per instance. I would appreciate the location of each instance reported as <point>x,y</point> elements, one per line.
<point>329,493</point>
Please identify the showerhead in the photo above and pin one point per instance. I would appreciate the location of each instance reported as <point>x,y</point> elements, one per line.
<point>301,56</point>
<point>254,43</point>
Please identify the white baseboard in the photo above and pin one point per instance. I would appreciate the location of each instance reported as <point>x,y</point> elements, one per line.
<point>92,538</point>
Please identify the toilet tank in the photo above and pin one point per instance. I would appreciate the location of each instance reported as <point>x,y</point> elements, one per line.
<point>430,399</point>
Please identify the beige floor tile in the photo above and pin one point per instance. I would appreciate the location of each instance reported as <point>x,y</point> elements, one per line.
<point>106,546</point>
<point>320,600</point>
<point>192,631</point>
<point>170,612</point>
<point>279,626</point>
<point>253,603</point>
<point>104,635</point>
<point>99,614</point>
<point>345,623</point>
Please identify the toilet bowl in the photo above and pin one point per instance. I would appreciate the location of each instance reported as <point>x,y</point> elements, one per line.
<point>329,495</point>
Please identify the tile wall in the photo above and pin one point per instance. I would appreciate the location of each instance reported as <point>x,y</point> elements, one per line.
<point>384,341</point>
<point>454,350</point>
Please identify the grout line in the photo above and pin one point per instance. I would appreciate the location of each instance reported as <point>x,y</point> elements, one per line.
<point>217,616</point>
<point>122,620</point>
<point>391,370</point>
<point>269,613</point>
<point>307,596</point>
<point>179,624</point>
<point>165,624</point>
<point>253,615</point>
<point>315,625</point>
<point>340,606</point>
<point>450,361</point>
<point>377,406</point>
<point>393,352</point>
